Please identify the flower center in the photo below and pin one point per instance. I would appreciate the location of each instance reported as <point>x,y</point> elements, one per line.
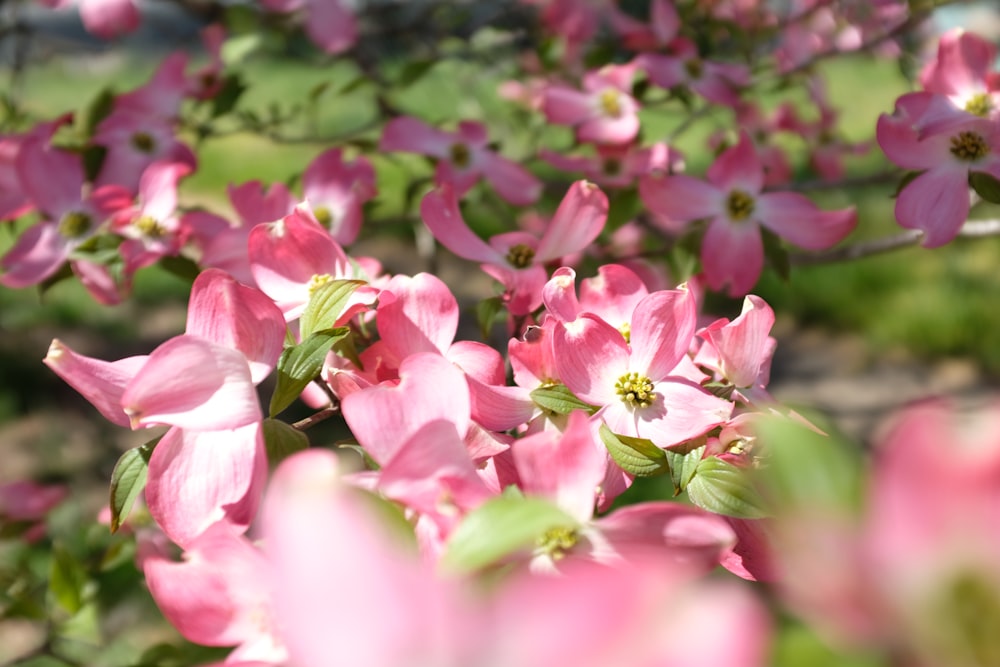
<point>979,105</point>
<point>626,330</point>
<point>143,142</point>
<point>75,224</point>
<point>636,391</point>
<point>969,146</point>
<point>556,542</point>
<point>970,608</point>
<point>317,281</point>
<point>611,103</point>
<point>694,68</point>
<point>323,216</point>
<point>149,226</point>
<point>459,155</point>
<point>740,205</point>
<point>612,167</point>
<point>520,256</point>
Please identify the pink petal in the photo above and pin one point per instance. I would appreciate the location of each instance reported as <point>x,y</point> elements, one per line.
<point>576,223</point>
<point>198,479</point>
<point>733,254</point>
<point>383,417</point>
<point>53,178</point>
<point>795,218</point>
<point>108,19</point>
<point>743,344</point>
<point>100,382</point>
<point>559,295</point>
<point>688,411</point>
<point>439,209</point>
<point>680,198</point>
<point>937,202</point>
<point>218,594</point>
<point>411,135</point>
<point>236,316</point>
<point>738,168</point>
<point>566,106</point>
<point>565,467</point>
<point>253,205</point>
<point>513,182</point>
<point>195,384</point>
<point>663,325</point>
<point>37,254</point>
<point>591,356</point>
<point>331,25</point>
<point>668,530</point>
<point>417,314</point>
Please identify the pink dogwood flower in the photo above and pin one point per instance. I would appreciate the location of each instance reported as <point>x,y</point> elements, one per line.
<point>517,259</point>
<point>937,201</point>
<point>732,251</point>
<point>463,157</point>
<point>633,380</point>
<point>604,112</point>
<point>330,24</point>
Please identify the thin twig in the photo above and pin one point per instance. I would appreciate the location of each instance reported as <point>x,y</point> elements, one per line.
<point>905,239</point>
<point>315,418</point>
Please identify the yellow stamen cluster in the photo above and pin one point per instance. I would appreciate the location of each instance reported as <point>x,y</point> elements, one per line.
<point>149,226</point>
<point>611,166</point>
<point>317,281</point>
<point>75,224</point>
<point>626,331</point>
<point>969,146</point>
<point>323,216</point>
<point>556,542</point>
<point>520,256</point>
<point>459,155</point>
<point>694,68</point>
<point>979,104</point>
<point>636,391</point>
<point>143,142</point>
<point>740,205</point>
<point>611,103</point>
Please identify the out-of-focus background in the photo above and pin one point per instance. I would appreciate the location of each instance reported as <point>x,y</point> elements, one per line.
<point>855,340</point>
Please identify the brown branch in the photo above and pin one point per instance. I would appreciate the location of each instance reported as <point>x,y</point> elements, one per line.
<point>905,239</point>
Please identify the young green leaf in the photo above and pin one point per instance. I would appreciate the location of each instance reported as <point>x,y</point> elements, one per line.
<point>683,466</point>
<point>281,441</point>
<point>498,528</point>
<point>722,488</point>
<point>300,364</point>
<point>986,186</point>
<point>559,399</point>
<point>128,479</point>
<point>326,304</point>
<point>636,456</point>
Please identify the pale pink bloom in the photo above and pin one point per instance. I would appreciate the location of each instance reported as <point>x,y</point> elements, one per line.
<point>937,201</point>
<point>293,256</point>
<point>106,19</point>
<point>612,295</point>
<point>134,139</point>
<point>732,251</point>
<point>335,190</point>
<point>716,82</point>
<point>634,380</point>
<point>576,21</point>
<point>219,594</point>
<point>740,351</point>
<point>618,166</point>
<point>330,24</point>
<point>463,157</point>
<point>965,79</point>
<point>349,592</point>
<point>517,259</point>
<point>54,180</point>
<point>604,112</point>
<point>570,468</point>
<point>152,228</point>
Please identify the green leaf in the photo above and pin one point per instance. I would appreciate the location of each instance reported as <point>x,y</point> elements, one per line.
<point>182,267</point>
<point>300,364</point>
<point>623,205</point>
<point>636,456</point>
<point>487,311</point>
<point>985,185</point>
<point>559,399</point>
<point>98,109</point>
<point>683,465</point>
<point>281,441</point>
<point>67,579</point>
<point>498,528</point>
<point>722,488</point>
<point>128,479</point>
<point>227,97</point>
<point>414,71</point>
<point>93,159</point>
<point>908,178</point>
<point>776,254</point>
<point>238,48</point>
<point>326,304</point>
